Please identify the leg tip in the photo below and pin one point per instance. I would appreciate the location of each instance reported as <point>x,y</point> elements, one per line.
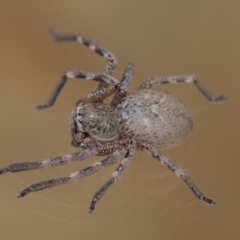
<point>92,206</point>
<point>41,107</point>
<point>24,193</point>
<point>209,201</point>
<point>221,98</point>
<point>91,209</point>
<point>3,171</point>
<point>52,33</point>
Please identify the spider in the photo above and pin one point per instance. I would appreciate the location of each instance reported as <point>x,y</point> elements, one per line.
<point>144,119</point>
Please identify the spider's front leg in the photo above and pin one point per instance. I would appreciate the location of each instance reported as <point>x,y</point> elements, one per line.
<point>101,51</point>
<point>179,173</point>
<point>24,166</point>
<point>97,95</point>
<point>74,176</point>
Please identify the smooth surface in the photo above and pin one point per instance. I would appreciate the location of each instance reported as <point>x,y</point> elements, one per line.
<point>149,202</point>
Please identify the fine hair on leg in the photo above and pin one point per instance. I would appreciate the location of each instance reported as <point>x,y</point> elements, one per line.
<point>182,79</point>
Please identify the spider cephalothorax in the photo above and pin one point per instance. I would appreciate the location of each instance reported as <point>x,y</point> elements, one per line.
<point>145,119</point>
<point>96,120</point>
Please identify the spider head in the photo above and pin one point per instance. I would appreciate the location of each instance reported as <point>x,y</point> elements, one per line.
<point>94,120</point>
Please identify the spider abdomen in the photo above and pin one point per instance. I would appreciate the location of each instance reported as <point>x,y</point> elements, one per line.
<point>155,117</point>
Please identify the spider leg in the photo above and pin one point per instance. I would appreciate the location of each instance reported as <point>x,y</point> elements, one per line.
<point>100,77</point>
<point>183,79</point>
<point>115,177</point>
<point>74,176</point>
<point>17,167</point>
<point>124,85</point>
<point>179,173</point>
<point>103,52</point>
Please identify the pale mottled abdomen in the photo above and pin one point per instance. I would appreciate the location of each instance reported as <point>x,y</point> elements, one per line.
<point>155,117</point>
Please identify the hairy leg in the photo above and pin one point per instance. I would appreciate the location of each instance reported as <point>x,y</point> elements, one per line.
<point>124,85</point>
<point>179,173</point>
<point>74,176</point>
<point>102,51</point>
<point>182,79</point>
<point>115,177</point>
<point>100,77</point>
<point>17,167</point>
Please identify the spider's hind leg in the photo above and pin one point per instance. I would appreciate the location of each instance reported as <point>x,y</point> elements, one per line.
<point>179,173</point>
<point>182,79</point>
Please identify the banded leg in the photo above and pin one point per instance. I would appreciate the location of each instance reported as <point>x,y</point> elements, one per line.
<point>182,79</point>
<point>100,77</point>
<point>103,52</point>
<point>124,85</point>
<point>179,173</point>
<point>115,177</point>
<point>74,176</point>
<point>17,167</point>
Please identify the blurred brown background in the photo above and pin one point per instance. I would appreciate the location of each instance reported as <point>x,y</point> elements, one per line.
<point>160,38</point>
